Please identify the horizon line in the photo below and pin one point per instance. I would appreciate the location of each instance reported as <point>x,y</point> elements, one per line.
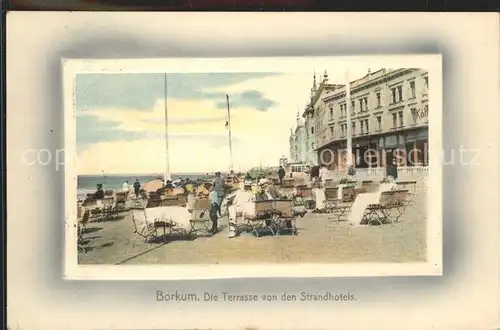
<point>173,173</point>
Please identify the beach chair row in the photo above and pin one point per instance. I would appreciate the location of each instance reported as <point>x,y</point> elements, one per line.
<point>389,208</point>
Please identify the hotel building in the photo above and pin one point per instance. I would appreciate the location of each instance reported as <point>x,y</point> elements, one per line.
<point>389,118</point>
<point>313,124</point>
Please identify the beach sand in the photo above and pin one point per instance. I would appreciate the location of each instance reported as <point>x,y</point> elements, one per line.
<point>320,240</point>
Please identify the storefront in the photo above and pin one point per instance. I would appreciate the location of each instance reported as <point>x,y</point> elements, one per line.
<point>417,146</point>
<point>405,148</point>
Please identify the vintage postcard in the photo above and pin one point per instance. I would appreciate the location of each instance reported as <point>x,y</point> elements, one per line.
<point>253,167</point>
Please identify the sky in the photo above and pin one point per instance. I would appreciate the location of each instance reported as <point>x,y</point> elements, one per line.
<point>121,120</point>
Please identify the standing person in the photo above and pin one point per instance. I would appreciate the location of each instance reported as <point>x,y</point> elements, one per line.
<point>220,187</point>
<point>125,186</point>
<point>214,209</point>
<point>323,173</point>
<point>281,174</point>
<point>314,173</point>
<point>99,194</point>
<point>137,187</point>
<point>392,171</point>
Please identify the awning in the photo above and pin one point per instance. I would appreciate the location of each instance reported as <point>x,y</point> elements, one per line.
<point>153,185</point>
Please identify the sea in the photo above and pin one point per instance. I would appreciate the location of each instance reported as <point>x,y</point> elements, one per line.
<point>88,183</point>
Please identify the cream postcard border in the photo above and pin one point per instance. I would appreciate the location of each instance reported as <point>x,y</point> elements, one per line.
<point>433,266</point>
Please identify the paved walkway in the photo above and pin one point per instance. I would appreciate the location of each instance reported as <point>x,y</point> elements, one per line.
<point>319,240</point>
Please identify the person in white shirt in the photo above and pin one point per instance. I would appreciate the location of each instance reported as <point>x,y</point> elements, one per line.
<point>125,186</point>
<point>323,173</point>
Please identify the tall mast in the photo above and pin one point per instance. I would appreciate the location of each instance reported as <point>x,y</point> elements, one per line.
<point>229,129</point>
<point>349,123</point>
<point>166,175</point>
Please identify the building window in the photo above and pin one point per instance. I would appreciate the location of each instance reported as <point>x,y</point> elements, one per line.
<point>312,145</point>
<point>414,115</point>
<point>353,128</point>
<point>361,105</point>
<point>331,131</point>
<point>366,126</point>
<point>379,123</point>
<point>412,88</point>
<point>366,103</point>
<point>394,120</point>
<point>312,130</point>
<point>342,129</point>
<point>394,100</point>
<point>401,122</point>
<point>426,79</point>
<point>378,99</point>
<point>361,127</point>
<point>400,93</point>
<point>331,113</point>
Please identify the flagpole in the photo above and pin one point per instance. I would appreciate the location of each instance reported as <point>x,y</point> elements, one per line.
<point>229,128</point>
<point>166,175</point>
<point>349,124</point>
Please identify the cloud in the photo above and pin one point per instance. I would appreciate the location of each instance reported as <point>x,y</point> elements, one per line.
<point>141,91</point>
<point>251,99</point>
<point>122,129</point>
<point>90,129</point>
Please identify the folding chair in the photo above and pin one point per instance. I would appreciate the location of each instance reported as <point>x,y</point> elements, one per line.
<point>331,199</point>
<point>344,204</point>
<point>264,216</point>
<point>399,203</point>
<point>142,227</point>
<point>411,186</point>
<point>284,219</point>
<point>138,204</point>
<point>108,208</point>
<point>393,200</point>
<point>368,185</point>
<point>200,222</point>
<point>330,183</point>
<point>121,199</point>
<point>82,225</point>
<point>304,196</point>
<point>98,210</point>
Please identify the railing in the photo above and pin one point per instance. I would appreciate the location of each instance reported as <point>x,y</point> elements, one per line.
<point>378,173</point>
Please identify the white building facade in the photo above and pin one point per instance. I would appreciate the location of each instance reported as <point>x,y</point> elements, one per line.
<point>389,120</point>
<point>315,127</point>
<point>297,142</point>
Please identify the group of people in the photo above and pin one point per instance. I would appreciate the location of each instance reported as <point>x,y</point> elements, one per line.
<point>136,186</point>
<point>219,190</point>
